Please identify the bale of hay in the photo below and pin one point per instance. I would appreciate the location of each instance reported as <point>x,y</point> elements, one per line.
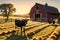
<point>34,39</point>
<point>53,37</point>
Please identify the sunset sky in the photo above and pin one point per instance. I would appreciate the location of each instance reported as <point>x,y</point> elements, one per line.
<point>24,6</point>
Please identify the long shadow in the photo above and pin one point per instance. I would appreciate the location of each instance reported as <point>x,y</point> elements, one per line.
<point>17,37</point>
<point>24,37</point>
<point>12,37</point>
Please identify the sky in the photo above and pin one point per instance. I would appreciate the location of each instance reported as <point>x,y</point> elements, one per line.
<point>24,6</point>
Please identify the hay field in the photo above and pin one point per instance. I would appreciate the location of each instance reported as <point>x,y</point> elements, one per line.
<point>33,30</point>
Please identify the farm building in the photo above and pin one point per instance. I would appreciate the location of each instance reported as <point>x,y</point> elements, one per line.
<point>40,12</point>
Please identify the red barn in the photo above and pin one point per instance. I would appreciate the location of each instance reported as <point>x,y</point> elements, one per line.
<point>41,12</point>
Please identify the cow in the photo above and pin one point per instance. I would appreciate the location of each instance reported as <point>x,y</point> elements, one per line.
<point>51,21</point>
<point>21,23</point>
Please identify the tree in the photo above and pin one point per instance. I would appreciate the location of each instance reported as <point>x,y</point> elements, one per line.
<point>7,10</point>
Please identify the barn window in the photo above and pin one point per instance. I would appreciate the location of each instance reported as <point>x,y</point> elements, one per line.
<point>36,7</point>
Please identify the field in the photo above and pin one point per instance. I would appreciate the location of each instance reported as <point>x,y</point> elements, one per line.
<point>33,30</point>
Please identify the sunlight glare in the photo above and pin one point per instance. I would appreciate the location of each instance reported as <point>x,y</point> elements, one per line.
<point>22,13</point>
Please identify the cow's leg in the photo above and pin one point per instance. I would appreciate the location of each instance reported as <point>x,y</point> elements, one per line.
<point>21,34</point>
<point>21,31</point>
<point>24,31</point>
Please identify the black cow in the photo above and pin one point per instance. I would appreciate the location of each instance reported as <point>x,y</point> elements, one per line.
<point>49,22</point>
<point>21,23</point>
<point>53,22</point>
<point>18,23</point>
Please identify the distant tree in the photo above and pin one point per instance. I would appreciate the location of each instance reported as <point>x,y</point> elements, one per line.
<point>7,10</point>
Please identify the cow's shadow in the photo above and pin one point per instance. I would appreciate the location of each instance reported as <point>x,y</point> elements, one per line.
<point>17,37</point>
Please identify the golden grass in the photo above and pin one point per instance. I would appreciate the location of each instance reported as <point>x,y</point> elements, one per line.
<point>8,27</point>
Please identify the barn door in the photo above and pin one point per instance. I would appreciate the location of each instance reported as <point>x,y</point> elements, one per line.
<point>37,17</point>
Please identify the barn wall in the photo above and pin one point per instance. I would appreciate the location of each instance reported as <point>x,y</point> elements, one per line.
<point>53,16</point>
<point>42,11</point>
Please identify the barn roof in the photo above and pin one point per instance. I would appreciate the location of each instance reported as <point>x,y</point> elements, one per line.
<point>50,9</point>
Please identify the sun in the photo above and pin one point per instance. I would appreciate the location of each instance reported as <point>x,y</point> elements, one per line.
<point>22,12</point>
